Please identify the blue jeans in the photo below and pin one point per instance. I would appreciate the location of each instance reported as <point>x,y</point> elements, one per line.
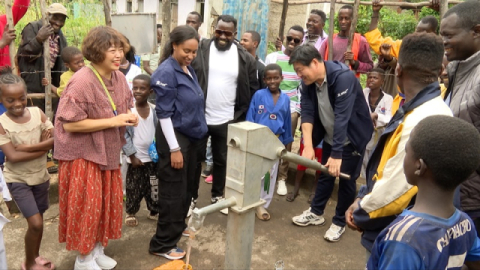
<point>347,189</point>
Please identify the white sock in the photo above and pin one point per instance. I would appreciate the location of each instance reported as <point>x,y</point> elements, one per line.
<point>84,258</point>
<point>98,248</point>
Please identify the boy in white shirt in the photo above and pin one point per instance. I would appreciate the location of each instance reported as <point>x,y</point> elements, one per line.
<point>141,177</point>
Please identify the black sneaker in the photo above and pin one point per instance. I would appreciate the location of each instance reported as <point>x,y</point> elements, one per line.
<point>207,172</point>
<point>216,199</point>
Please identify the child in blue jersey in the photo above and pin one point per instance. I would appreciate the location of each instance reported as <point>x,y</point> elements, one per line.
<point>271,107</point>
<point>433,234</point>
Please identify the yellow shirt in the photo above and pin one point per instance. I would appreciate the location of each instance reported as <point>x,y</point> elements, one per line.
<point>153,59</point>
<point>443,90</point>
<point>66,76</point>
<point>375,39</point>
<point>396,103</point>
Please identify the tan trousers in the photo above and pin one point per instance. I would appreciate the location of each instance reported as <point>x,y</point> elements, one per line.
<point>283,168</point>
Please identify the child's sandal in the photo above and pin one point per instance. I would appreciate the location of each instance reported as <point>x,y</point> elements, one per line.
<point>36,266</point>
<point>42,261</point>
<point>153,217</point>
<point>262,213</point>
<point>131,221</point>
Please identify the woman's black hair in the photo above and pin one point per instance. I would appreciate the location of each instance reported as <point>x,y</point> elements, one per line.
<point>179,35</point>
<point>130,55</point>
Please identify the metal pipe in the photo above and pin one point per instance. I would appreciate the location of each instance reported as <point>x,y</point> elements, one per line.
<point>284,154</point>
<point>215,207</point>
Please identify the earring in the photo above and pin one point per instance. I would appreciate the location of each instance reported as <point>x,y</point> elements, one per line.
<point>417,172</point>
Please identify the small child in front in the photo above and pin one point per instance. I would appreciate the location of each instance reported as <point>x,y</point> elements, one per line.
<point>72,57</point>
<point>141,174</point>
<point>26,135</point>
<point>271,107</point>
<point>433,234</point>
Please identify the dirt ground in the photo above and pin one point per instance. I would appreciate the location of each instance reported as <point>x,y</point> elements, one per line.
<point>277,239</point>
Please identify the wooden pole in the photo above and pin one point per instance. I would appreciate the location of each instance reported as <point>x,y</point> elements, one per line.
<point>281,31</point>
<point>443,8</point>
<point>107,7</point>
<point>36,10</point>
<point>353,27</point>
<point>36,95</point>
<point>46,62</point>
<point>11,26</point>
<point>331,29</point>
<point>166,21</point>
<point>367,3</point>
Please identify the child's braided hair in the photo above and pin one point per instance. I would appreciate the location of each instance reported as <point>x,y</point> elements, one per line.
<point>7,77</point>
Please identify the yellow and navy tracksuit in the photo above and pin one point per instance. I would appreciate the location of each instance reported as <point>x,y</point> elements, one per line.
<point>387,192</point>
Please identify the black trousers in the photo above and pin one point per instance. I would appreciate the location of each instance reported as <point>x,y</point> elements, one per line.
<point>347,189</point>
<point>219,155</point>
<point>139,186</point>
<point>175,194</point>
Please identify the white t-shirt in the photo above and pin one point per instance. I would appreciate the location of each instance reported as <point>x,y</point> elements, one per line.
<point>133,72</point>
<point>143,136</point>
<point>222,85</point>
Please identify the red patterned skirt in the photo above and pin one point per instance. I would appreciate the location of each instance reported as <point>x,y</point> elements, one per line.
<point>90,204</point>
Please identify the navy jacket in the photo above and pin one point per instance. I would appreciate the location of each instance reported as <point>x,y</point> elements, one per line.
<point>352,115</point>
<point>180,97</point>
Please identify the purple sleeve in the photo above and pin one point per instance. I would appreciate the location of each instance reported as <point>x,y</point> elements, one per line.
<point>323,48</point>
<point>364,58</point>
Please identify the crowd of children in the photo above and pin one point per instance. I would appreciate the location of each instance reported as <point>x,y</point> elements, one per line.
<point>407,211</point>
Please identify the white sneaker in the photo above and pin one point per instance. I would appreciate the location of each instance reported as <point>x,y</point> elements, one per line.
<point>282,188</point>
<point>103,261</point>
<point>88,264</point>
<point>308,218</point>
<point>334,232</point>
<point>224,210</point>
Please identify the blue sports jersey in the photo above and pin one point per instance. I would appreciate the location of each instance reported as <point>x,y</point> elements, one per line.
<point>277,117</point>
<point>420,241</point>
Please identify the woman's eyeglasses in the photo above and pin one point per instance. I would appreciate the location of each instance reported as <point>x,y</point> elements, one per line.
<point>219,32</point>
<point>296,40</point>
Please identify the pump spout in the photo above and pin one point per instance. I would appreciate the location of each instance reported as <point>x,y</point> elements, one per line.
<point>195,223</point>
